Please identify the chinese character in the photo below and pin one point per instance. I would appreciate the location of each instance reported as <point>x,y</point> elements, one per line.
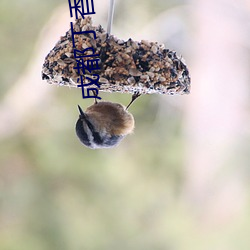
<point>79,33</point>
<point>91,64</point>
<point>83,9</point>
<point>77,52</point>
<point>94,91</point>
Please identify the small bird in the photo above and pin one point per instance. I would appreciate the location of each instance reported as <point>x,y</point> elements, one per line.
<point>104,124</point>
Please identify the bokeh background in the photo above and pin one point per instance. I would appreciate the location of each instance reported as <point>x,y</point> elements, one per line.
<point>180,182</point>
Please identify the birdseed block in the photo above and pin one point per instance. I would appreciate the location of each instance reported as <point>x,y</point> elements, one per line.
<point>124,66</point>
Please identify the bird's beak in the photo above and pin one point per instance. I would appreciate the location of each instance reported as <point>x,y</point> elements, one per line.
<point>82,115</point>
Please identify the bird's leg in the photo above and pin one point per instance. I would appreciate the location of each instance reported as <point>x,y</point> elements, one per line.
<point>134,97</point>
<point>95,94</point>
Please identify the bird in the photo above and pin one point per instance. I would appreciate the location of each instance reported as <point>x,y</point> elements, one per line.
<point>104,124</point>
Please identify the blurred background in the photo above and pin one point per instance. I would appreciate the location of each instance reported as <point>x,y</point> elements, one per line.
<point>180,182</point>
